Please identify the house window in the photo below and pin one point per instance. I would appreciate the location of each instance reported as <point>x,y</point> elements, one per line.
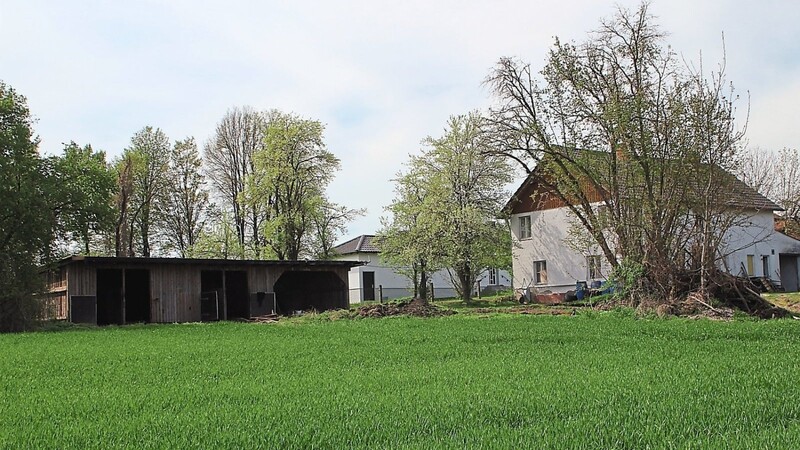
<point>593,264</point>
<point>525,227</point>
<point>540,272</point>
<point>751,265</point>
<point>492,277</point>
<point>603,215</point>
<point>765,265</point>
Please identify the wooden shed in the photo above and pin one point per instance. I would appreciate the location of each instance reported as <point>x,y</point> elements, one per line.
<point>106,290</point>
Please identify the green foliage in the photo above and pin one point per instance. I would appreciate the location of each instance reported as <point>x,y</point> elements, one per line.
<point>27,219</point>
<point>219,240</point>
<point>627,278</point>
<point>409,241</point>
<point>148,155</point>
<point>82,192</point>
<point>446,209</point>
<point>186,199</point>
<point>290,175</point>
<point>462,381</point>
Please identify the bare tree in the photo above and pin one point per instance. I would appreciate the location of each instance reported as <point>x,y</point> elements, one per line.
<point>124,169</point>
<point>619,121</point>
<point>776,175</point>
<point>228,158</point>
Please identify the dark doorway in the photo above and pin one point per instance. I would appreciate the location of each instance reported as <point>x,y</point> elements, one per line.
<point>306,290</point>
<point>237,298</point>
<point>109,296</point>
<point>788,266</point>
<point>211,298</point>
<point>83,309</point>
<point>368,279</point>
<point>137,295</point>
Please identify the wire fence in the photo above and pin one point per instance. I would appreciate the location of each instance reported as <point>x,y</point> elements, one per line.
<point>381,293</point>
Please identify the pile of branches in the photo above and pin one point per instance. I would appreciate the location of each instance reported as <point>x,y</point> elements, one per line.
<point>417,307</point>
<point>724,294</point>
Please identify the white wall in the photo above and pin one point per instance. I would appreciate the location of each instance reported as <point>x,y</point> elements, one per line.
<point>754,235</point>
<point>565,266</point>
<point>397,285</point>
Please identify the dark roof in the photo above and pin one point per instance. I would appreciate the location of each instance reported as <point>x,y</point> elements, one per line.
<point>361,244</point>
<point>111,260</point>
<point>744,196</point>
<point>741,195</point>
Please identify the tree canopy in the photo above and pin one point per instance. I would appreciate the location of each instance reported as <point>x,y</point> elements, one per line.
<point>289,179</point>
<point>621,115</point>
<point>447,210</point>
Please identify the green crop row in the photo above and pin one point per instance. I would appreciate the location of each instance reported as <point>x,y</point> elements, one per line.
<point>585,381</point>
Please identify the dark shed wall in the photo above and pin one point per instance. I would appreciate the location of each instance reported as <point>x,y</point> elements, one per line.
<point>81,280</point>
<point>175,289</point>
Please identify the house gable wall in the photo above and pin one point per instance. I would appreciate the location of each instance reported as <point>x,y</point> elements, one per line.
<point>565,266</point>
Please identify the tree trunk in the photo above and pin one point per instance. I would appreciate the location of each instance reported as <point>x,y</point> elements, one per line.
<point>422,289</point>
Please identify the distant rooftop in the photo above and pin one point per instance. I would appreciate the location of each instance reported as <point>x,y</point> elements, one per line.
<point>361,244</point>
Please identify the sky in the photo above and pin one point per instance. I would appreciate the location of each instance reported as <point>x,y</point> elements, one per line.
<point>381,76</point>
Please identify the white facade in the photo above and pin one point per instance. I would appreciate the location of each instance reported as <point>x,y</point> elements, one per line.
<point>753,247</point>
<point>756,249</point>
<point>545,247</point>
<point>391,284</point>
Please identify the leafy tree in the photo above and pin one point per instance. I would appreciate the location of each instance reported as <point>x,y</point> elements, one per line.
<point>456,214</point>
<point>149,156</point>
<point>329,223</point>
<point>25,220</point>
<point>218,239</point>
<point>186,198</point>
<point>409,240</point>
<point>618,120</point>
<point>290,175</point>
<point>82,193</point>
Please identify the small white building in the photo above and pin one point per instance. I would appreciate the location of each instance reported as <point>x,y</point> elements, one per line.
<point>376,280</point>
<point>545,266</point>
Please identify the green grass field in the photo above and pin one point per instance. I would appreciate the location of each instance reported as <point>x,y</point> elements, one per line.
<point>595,380</point>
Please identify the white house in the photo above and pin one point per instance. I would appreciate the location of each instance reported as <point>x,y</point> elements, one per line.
<point>376,280</point>
<point>546,267</point>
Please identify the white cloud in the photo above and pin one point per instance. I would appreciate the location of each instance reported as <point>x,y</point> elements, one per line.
<point>382,75</point>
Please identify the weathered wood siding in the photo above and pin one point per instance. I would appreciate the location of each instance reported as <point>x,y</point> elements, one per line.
<point>81,280</point>
<point>174,293</point>
<point>175,288</point>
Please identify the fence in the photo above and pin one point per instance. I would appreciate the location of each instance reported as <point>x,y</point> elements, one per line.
<point>381,293</point>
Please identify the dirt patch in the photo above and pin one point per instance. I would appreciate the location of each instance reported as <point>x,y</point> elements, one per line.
<point>416,308</point>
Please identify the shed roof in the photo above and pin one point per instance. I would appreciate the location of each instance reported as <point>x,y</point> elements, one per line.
<point>360,244</point>
<point>131,261</point>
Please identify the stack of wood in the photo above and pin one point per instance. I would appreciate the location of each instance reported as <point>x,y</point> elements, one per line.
<point>268,318</point>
